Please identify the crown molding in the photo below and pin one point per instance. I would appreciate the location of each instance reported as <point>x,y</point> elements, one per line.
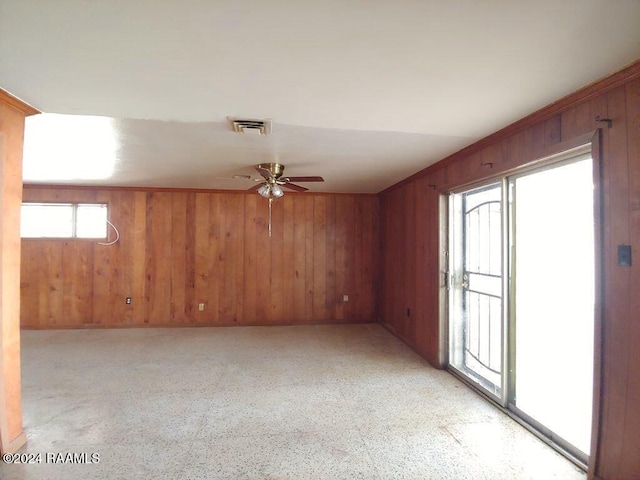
<point>13,102</point>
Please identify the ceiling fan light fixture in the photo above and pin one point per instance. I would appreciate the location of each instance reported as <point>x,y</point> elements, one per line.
<point>270,191</point>
<point>276,191</point>
<point>265,191</point>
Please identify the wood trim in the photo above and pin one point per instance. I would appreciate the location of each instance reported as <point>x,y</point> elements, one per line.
<point>17,104</point>
<point>16,444</point>
<point>265,323</point>
<point>113,188</point>
<point>599,276</point>
<point>11,132</point>
<point>573,99</point>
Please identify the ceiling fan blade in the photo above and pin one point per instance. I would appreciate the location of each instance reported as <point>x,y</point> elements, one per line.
<point>264,172</point>
<point>255,187</point>
<point>295,187</point>
<point>305,179</point>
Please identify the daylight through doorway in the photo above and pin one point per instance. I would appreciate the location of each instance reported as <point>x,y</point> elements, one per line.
<point>522,296</point>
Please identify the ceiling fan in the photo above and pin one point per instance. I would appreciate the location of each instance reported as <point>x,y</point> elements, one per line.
<point>272,174</point>
<point>271,188</point>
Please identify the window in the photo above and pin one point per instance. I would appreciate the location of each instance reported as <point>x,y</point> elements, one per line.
<point>64,220</point>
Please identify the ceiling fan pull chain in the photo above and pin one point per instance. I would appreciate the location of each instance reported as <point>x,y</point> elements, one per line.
<point>270,202</point>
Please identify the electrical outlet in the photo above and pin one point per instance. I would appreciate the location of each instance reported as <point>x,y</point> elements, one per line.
<point>127,300</point>
<point>345,298</point>
<point>201,307</point>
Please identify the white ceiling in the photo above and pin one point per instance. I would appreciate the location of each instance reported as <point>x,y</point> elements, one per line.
<point>361,92</point>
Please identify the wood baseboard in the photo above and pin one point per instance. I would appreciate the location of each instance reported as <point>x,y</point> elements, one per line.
<point>87,326</point>
<point>14,445</point>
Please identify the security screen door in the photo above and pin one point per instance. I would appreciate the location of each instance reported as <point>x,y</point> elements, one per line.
<point>476,321</point>
<point>521,296</point>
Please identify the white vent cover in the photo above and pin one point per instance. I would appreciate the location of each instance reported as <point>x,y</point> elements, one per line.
<point>251,126</point>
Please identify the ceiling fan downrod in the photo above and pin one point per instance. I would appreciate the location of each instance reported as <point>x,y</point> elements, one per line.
<point>270,202</point>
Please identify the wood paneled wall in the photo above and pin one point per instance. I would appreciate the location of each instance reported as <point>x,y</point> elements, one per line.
<point>179,248</point>
<point>411,277</point>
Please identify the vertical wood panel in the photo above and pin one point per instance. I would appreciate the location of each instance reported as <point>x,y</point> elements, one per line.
<point>576,121</point>
<point>115,287</point>
<point>288,259</point>
<point>226,272</point>
<point>319,258</point>
<point>216,262</point>
<point>371,259</point>
<point>250,259</point>
<point>139,240</point>
<point>179,263</point>
<point>158,258</point>
<point>77,282</point>
<point>50,284</point>
<point>330,258</point>
<point>349,219</point>
<point>103,299</point>
<point>552,131</point>
<point>387,210</point>
<point>394,269</point>
<point>276,310</point>
<point>238,257</point>
<point>190,307</point>
<point>430,292</point>
<point>107,264</point>
<point>358,259</point>
<point>202,254</point>
<point>309,217</point>
<point>124,220</point>
<point>423,322</point>
<point>29,283</point>
<point>263,259</point>
<point>617,283</point>
<point>340,257</point>
<point>375,269</point>
<point>409,248</point>
<point>299,253</point>
<point>539,138</point>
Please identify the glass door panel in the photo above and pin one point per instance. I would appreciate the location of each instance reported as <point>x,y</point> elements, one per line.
<point>553,292</point>
<point>476,333</point>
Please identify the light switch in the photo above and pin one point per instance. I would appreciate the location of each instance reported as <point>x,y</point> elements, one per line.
<point>624,255</point>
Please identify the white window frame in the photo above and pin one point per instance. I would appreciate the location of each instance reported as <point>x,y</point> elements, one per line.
<point>74,220</point>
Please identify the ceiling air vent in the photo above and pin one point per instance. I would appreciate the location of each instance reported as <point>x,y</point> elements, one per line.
<point>251,126</point>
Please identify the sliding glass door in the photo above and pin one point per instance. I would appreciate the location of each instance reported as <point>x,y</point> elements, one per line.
<point>521,296</point>
<point>553,291</point>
